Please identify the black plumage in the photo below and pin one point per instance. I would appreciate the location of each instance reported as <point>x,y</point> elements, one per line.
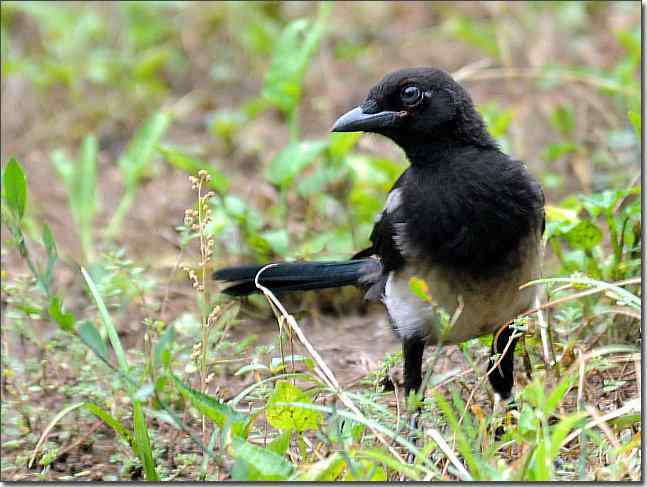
<point>464,216</point>
<point>294,276</point>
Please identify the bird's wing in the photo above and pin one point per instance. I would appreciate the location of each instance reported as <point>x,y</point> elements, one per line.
<point>543,211</point>
<point>384,241</point>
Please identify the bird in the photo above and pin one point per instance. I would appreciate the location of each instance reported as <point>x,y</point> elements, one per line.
<point>464,217</point>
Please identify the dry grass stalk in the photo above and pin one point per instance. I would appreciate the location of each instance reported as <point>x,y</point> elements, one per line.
<point>322,369</point>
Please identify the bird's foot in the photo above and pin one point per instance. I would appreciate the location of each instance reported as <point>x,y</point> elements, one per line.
<point>413,425</point>
<point>509,417</point>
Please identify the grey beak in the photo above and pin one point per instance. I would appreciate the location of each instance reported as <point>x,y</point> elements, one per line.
<point>356,120</point>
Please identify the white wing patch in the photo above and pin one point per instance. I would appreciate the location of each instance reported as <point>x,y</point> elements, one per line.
<point>393,201</point>
<point>401,240</point>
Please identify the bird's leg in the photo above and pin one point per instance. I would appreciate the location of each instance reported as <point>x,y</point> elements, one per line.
<point>412,350</point>
<point>502,377</point>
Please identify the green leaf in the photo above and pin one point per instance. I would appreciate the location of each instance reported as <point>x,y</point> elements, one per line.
<point>143,442</point>
<point>625,421</point>
<point>108,323</point>
<point>220,413</point>
<point>52,254</point>
<point>326,470</point>
<point>584,235</point>
<point>341,143</point>
<point>498,120</point>
<point>86,181</point>
<point>411,471</point>
<point>563,120</point>
<point>65,168</point>
<point>366,470</point>
<point>622,294</point>
<point>49,243</point>
<point>556,395</point>
<point>602,202</point>
<point>244,471</point>
<point>528,422</point>
<point>290,417</point>
<point>190,165</point>
<point>261,463</point>
<point>146,391</point>
<point>293,159</point>
<point>225,123</point>
<point>534,394</point>
<point>562,215</point>
<point>420,288</point>
<point>557,151</point>
<point>395,436</point>
<point>280,363</point>
<point>111,421</point>
<point>278,240</point>
<point>636,122</point>
<point>135,160</point>
<point>91,337</point>
<point>162,353</point>
<point>561,430</point>
<point>462,444</point>
<point>250,368</point>
<point>80,179</point>
<point>479,34</point>
<point>64,319</point>
<point>281,443</point>
<point>84,198</point>
<point>542,465</point>
<point>15,187</point>
<point>293,51</point>
<point>314,184</point>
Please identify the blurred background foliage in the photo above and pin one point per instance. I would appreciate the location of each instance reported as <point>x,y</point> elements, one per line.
<point>109,107</point>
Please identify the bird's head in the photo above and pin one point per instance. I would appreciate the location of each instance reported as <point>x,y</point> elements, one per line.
<point>418,106</point>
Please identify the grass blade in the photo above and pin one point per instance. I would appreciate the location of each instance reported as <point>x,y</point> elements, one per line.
<point>142,442</point>
<point>49,427</point>
<point>135,160</point>
<point>630,298</point>
<point>86,188</point>
<point>108,323</point>
<point>111,421</point>
<point>134,163</point>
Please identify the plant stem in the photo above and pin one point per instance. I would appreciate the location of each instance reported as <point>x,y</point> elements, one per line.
<point>293,124</point>
<point>126,202</point>
<point>205,324</point>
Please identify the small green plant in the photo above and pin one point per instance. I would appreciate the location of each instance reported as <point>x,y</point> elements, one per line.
<point>15,192</point>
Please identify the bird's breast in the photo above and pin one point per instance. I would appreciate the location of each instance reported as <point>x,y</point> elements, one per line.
<point>481,304</point>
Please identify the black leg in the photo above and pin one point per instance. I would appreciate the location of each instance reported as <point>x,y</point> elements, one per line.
<point>502,378</point>
<point>412,351</point>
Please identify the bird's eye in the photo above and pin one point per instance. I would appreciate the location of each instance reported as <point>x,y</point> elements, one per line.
<point>410,95</point>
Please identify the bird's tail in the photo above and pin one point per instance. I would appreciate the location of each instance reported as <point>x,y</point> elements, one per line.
<point>294,276</point>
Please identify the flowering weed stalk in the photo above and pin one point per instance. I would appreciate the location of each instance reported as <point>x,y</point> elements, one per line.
<point>198,220</point>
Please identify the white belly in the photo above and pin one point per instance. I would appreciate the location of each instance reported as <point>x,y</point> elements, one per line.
<point>487,303</point>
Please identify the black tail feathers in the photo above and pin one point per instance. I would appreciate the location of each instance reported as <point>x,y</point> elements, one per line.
<point>294,276</point>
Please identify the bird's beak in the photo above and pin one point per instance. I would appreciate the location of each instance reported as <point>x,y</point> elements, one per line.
<point>356,120</point>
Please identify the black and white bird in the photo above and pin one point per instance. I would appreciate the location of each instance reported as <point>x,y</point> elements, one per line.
<point>464,217</point>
